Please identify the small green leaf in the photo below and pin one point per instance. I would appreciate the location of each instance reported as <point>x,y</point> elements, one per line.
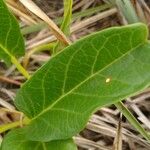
<point>98,70</point>
<point>11,40</point>
<point>15,140</point>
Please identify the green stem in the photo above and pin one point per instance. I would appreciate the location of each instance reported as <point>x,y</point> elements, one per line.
<point>9,126</point>
<point>43,47</point>
<point>40,48</point>
<point>132,120</point>
<point>6,127</point>
<point>65,26</point>
<point>44,146</point>
<point>19,67</point>
<point>15,62</point>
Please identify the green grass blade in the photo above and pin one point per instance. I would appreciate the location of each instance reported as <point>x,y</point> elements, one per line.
<point>127,10</point>
<point>132,120</point>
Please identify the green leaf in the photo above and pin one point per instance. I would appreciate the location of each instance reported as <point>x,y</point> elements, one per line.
<point>98,70</point>
<point>15,140</point>
<point>11,40</point>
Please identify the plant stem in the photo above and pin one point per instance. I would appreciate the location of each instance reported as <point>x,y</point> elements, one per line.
<point>65,26</point>
<point>19,67</point>
<point>44,146</point>
<point>6,127</point>
<point>43,47</point>
<point>132,120</point>
<point>9,126</point>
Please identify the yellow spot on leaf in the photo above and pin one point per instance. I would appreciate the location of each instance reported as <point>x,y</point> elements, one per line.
<point>107,80</point>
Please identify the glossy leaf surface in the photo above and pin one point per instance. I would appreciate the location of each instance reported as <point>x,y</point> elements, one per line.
<point>98,70</point>
<point>11,40</point>
<point>15,140</point>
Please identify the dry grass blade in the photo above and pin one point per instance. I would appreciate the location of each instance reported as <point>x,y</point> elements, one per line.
<point>145,6</point>
<point>90,20</point>
<point>17,12</point>
<point>118,139</point>
<point>6,79</point>
<point>88,144</point>
<point>76,27</point>
<point>38,12</point>
<point>6,104</point>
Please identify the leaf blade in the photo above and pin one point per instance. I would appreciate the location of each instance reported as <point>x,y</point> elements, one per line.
<point>15,140</point>
<point>11,40</point>
<point>75,82</point>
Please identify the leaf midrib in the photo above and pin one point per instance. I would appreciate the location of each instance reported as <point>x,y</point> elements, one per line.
<point>5,50</point>
<point>94,74</point>
<point>44,146</point>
